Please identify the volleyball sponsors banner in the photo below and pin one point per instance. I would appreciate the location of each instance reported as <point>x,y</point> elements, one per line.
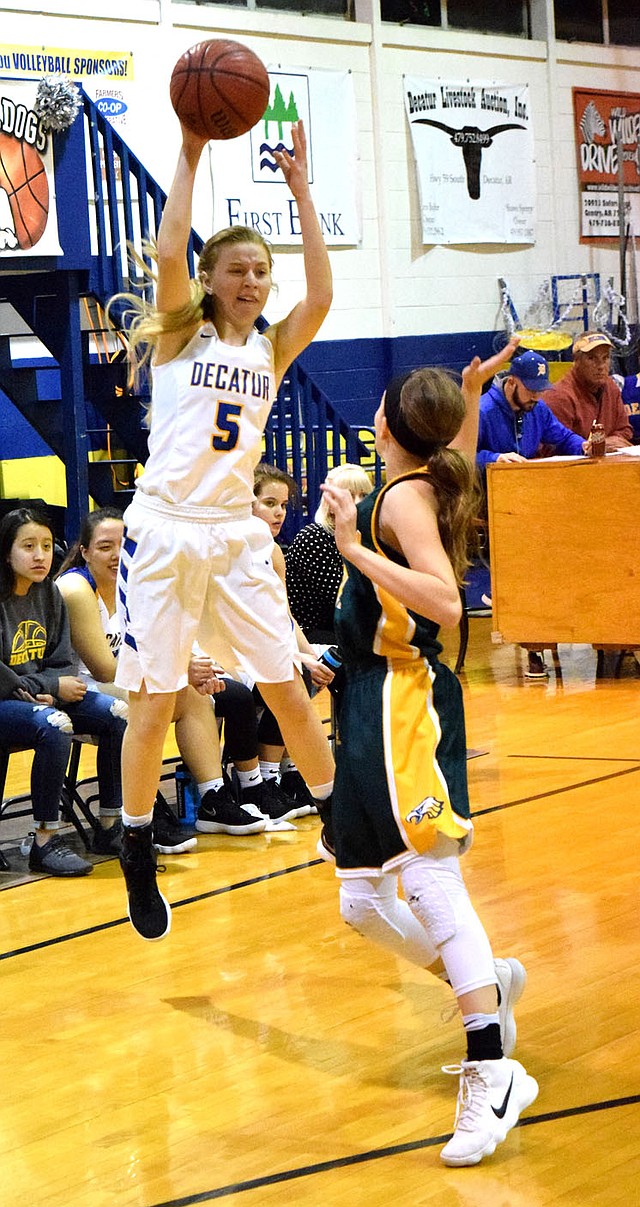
<point>603,120</point>
<point>248,186</point>
<point>28,220</point>
<point>474,154</point>
<point>80,64</point>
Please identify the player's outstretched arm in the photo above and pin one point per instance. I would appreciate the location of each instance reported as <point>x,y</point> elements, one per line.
<point>175,227</point>
<point>474,375</point>
<point>292,334</point>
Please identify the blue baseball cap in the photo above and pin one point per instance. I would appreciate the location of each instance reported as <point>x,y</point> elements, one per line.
<point>532,370</point>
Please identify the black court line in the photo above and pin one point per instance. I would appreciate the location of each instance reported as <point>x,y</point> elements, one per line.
<point>216,892</point>
<point>377,1154</point>
<point>230,888</point>
<point>578,758</point>
<point>525,800</point>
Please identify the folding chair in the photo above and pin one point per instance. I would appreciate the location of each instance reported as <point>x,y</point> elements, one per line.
<point>71,802</point>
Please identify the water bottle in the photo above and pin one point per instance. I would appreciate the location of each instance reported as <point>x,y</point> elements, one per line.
<point>597,440</point>
<point>187,796</point>
<point>332,658</point>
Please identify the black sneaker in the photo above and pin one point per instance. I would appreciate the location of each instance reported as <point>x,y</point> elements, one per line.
<point>536,668</point>
<point>107,841</point>
<point>293,786</point>
<point>171,841</point>
<point>149,913</point>
<point>220,813</point>
<point>57,859</point>
<point>326,846</point>
<point>272,802</point>
<point>169,837</point>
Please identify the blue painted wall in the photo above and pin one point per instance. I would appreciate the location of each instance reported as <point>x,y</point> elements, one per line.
<point>354,372</point>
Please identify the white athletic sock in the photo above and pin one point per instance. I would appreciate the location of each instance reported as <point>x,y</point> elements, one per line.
<point>247,779</point>
<point>269,771</point>
<point>477,1022</point>
<point>214,785</point>
<point>129,819</point>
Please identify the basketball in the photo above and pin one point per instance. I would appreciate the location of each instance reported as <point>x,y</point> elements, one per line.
<point>24,179</point>
<point>219,89</point>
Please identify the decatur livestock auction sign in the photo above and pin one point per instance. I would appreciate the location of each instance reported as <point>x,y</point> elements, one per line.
<point>473,147</point>
<point>603,122</point>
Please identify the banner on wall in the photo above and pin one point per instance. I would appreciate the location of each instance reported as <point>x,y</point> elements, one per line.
<point>474,153</point>
<point>248,187</point>
<point>80,64</point>
<point>28,219</point>
<point>601,118</point>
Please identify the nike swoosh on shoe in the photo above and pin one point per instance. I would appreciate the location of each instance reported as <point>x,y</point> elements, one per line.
<point>501,1110</point>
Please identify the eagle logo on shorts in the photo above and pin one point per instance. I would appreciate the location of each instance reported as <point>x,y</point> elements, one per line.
<point>429,807</point>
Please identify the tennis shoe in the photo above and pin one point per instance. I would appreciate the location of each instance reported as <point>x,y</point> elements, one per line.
<point>149,912</point>
<point>536,668</point>
<point>220,813</point>
<point>293,786</point>
<point>270,799</point>
<point>169,837</point>
<point>512,979</point>
<point>107,840</point>
<point>491,1098</point>
<point>57,859</point>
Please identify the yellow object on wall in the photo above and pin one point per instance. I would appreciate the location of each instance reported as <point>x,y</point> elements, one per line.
<point>34,478</point>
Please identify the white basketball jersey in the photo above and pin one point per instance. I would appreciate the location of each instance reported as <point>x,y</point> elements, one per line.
<point>210,406</point>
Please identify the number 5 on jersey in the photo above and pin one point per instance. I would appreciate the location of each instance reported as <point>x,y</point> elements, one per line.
<point>227,426</point>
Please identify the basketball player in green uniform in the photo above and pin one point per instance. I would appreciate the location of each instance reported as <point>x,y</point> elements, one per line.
<point>400,804</point>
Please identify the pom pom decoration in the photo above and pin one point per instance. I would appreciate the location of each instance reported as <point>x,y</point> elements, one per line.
<point>57,102</point>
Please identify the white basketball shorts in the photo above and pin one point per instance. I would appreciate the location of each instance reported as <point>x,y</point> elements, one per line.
<point>185,576</point>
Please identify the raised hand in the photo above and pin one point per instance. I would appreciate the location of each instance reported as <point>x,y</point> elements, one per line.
<point>478,371</point>
<point>294,167</point>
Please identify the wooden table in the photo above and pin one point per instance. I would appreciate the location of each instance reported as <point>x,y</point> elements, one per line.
<point>564,538</point>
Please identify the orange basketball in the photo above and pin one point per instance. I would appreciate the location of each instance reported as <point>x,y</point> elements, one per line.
<point>219,89</point>
<point>24,179</point>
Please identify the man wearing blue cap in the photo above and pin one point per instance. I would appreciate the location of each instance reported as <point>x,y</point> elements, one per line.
<point>515,423</point>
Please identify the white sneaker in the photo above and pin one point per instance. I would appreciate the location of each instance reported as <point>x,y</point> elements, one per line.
<point>491,1097</point>
<point>512,979</point>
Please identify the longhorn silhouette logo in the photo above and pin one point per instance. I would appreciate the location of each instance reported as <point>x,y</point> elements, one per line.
<point>472,140</point>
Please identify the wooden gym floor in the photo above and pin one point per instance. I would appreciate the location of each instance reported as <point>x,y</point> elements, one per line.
<point>264,1054</point>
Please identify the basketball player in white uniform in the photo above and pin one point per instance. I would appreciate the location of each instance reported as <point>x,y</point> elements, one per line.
<point>195,562</point>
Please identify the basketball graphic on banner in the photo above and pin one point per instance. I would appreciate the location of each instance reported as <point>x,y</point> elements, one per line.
<point>24,179</point>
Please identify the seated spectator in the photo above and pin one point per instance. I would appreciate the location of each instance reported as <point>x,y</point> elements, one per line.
<point>274,489</point>
<point>630,390</point>
<point>515,423</point>
<point>87,583</point>
<point>587,393</point>
<point>43,702</point>
<point>247,723</point>
<point>314,565</point>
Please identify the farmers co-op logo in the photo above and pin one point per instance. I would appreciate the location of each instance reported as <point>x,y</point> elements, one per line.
<point>288,102</point>
<point>111,104</point>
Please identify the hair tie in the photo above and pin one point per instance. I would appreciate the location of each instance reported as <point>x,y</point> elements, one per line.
<point>399,428</point>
